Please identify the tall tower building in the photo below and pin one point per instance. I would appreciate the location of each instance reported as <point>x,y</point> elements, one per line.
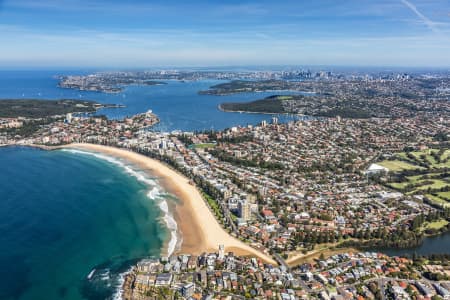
<point>69,118</point>
<point>221,251</point>
<point>244,210</point>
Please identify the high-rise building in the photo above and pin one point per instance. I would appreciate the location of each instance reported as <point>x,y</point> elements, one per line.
<point>221,251</point>
<point>69,118</point>
<point>245,212</point>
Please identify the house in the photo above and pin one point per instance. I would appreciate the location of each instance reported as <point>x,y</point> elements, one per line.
<point>268,214</point>
<point>163,279</point>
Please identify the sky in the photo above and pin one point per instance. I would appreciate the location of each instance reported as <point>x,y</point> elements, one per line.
<point>140,34</point>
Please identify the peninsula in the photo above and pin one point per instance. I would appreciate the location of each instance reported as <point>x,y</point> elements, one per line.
<point>347,98</point>
<point>111,83</point>
<point>34,108</point>
<point>244,86</point>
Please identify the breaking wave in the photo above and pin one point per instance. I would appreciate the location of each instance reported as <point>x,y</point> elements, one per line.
<point>155,193</point>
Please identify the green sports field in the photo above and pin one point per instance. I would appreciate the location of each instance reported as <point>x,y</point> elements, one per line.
<point>421,173</point>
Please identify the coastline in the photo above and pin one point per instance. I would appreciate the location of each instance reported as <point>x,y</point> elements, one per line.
<point>260,113</point>
<point>200,231</point>
<point>207,92</point>
<point>42,147</point>
<point>219,107</point>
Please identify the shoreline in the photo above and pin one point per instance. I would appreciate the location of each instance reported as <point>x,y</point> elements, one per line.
<point>193,226</point>
<point>200,231</point>
<point>260,113</point>
<point>207,92</point>
<point>220,108</point>
<point>154,192</point>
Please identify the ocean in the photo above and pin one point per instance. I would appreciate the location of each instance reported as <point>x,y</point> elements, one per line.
<point>68,215</point>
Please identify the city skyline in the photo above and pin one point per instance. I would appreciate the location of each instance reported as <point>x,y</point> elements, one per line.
<point>76,33</point>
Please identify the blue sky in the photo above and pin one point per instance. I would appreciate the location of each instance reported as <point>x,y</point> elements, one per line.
<point>137,33</point>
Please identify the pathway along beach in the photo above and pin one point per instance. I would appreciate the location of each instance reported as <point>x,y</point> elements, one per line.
<point>200,230</point>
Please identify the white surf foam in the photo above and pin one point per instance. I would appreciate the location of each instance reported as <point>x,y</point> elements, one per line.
<point>155,194</point>
<point>171,224</point>
<point>119,292</point>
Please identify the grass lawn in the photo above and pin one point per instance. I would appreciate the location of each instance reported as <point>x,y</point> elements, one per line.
<point>438,200</point>
<point>206,145</point>
<point>444,195</point>
<point>445,155</point>
<point>437,184</point>
<point>435,225</point>
<point>398,165</point>
<point>415,179</point>
<point>284,97</point>
<point>214,205</point>
<point>429,159</point>
<point>399,185</point>
<point>442,165</point>
<point>417,184</point>
<point>403,156</point>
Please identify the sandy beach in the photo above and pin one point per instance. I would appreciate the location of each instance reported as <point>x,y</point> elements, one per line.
<point>200,230</point>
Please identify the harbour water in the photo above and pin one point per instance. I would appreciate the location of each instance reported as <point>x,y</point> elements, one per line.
<point>178,104</point>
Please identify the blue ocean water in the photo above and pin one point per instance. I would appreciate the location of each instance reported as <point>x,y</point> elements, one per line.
<point>178,104</point>
<point>64,214</point>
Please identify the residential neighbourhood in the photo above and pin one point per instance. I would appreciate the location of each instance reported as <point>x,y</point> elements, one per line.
<point>296,191</point>
<point>362,275</point>
<point>283,188</point>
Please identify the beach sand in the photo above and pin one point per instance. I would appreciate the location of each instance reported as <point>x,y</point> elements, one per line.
<point>199,229</point>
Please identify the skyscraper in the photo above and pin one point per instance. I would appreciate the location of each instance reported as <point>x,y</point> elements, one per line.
<point>244,210</point>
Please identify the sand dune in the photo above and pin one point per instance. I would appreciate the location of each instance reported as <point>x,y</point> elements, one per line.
<point>200,230</point>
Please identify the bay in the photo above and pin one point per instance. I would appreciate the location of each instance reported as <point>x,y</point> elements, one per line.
<point>177,103</point>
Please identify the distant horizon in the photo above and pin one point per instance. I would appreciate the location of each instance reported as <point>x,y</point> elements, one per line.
<point>244,68</point>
